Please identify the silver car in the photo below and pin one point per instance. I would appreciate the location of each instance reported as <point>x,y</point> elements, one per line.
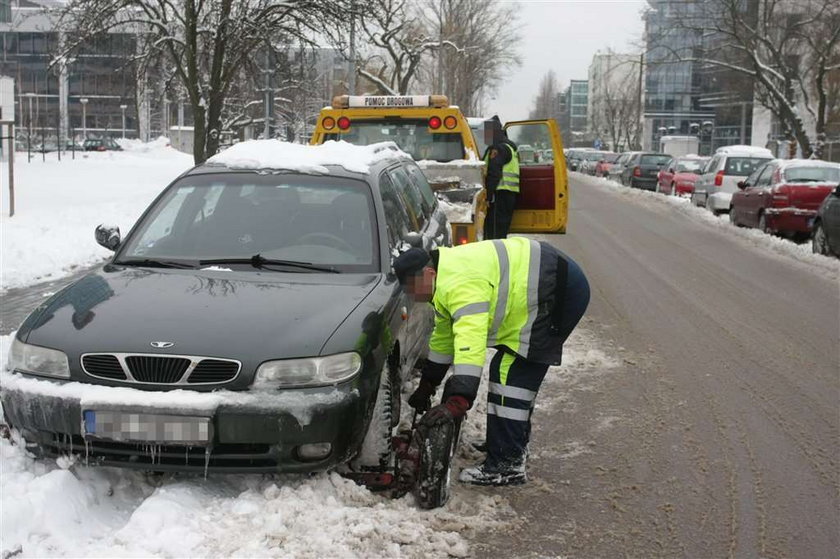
<point>719,178</point>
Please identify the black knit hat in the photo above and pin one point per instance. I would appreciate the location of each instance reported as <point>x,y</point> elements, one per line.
<point>410,262</point>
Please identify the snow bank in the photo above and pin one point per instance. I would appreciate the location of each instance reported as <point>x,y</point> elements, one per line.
<point>58,204</point>
<point>139,146</point>
<point>276,154</point>
<point>752,238</point>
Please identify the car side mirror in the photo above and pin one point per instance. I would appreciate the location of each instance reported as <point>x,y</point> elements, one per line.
<point>108,236</point>
<point>837,191</point>
<point>742,185</point>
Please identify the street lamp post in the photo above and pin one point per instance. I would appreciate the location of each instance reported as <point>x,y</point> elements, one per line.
<point>123,108</point>
<point>29,96</point>
<point>84,102</point>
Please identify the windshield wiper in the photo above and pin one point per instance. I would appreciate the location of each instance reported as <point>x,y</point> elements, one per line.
<point>259,261</point>
<point>152,263</point>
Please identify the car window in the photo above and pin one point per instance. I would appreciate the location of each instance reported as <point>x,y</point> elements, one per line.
<point>396,217</point>
<point>812,174</point>
<point>659,160</point>
<point>321,220</point>
<point>689,166</point>
<point>742,166</point>
<point>413,136</point>
<point>419,180</point>
<point>761,176</point>
<point>752,180</point>
<point>411,197</point>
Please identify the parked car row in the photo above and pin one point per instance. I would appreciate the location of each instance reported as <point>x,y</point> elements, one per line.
<point>798,199</point>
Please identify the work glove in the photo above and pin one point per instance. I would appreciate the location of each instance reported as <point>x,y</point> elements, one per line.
<point>455,407</point>
<point>421,399</point>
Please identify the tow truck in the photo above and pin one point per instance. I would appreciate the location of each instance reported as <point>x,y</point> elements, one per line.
<point>449,147</point>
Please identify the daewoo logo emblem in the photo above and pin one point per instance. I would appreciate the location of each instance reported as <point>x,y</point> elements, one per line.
<point>162,345</point>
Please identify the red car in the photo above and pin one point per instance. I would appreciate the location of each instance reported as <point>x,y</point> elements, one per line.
<point>602,167</point>
<point>678,177</point>
<point>783,196</point>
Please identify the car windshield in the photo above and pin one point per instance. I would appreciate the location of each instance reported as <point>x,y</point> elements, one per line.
<point>325,221</point>
<point>611,157</point>
<point>743,166</point>
<point>812,174</point>
<point>412,136</point>
<point>690,166</point>
<point>655,159</point>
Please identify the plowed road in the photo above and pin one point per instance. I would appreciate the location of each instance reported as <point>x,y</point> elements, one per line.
<point>719,433</point>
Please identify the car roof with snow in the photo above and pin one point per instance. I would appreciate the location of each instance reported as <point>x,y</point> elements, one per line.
<point>754,151</point>
<point>793,163</point>
<point>328,158</point>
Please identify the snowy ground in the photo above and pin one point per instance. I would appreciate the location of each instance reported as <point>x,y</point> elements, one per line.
<point>784,248</point>
<point>61,508</point>
<point>59,204</point>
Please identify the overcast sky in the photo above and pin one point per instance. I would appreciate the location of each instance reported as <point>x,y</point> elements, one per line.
<point>562,35</point>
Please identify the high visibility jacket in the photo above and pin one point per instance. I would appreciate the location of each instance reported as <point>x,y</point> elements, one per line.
<point>510,171</point>
<point>493,294</point>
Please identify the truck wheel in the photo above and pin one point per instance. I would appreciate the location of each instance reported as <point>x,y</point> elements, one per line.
<point>437,447</point>
<point>377,451</point>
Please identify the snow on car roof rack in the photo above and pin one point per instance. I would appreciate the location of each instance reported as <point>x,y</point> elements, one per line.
<point>284,156</point>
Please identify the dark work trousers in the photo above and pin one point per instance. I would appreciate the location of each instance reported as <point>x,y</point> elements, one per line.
<point>499,215</point>
<point>514,383</point>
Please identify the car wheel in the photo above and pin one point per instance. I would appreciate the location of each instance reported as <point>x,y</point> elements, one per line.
<point>437,448</point>
<point>819,242</point>
<point>377,451</point>
<point>762,223</point>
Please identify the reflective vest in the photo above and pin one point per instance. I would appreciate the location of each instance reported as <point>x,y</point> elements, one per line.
<point>485,296</point>
<point>510,172</point>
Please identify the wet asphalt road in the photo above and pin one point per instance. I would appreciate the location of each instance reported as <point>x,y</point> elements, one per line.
<point>719,433</point>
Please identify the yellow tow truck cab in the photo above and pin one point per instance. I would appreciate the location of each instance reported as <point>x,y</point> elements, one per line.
<point>445,145</point>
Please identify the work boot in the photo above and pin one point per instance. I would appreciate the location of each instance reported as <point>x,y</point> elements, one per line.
<point>483,474</point>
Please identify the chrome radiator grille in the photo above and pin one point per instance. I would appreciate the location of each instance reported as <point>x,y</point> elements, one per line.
<point>160,369</point>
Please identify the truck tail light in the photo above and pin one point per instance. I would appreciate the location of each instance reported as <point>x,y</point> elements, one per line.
<point>344,123</point>
<point>462,234</point>
<point>719,178</point>
<point>637,171</point>
<point>328,123</point>
<point>450,122</point>
<point>434,122</point>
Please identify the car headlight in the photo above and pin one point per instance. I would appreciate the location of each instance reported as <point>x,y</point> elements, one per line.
<point>37,360</point>
<point>313,371</point>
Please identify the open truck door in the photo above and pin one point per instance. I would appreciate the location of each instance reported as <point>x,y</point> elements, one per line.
<point>543,201</point>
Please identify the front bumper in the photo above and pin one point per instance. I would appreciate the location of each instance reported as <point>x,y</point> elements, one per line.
<point>790,219</point>
<point>251,431</point>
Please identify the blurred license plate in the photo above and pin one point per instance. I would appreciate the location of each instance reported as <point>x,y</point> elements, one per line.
<point>144,427</point>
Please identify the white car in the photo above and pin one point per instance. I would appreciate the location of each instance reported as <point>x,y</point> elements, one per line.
<point>719,178</point>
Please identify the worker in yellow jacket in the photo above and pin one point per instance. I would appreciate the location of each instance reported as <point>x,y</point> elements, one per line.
<point>519,296</point>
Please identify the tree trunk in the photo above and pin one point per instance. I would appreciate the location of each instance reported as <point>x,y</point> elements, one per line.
<point>199,134</point>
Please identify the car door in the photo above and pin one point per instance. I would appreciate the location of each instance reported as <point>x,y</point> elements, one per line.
<point>666,176</point>
<point>419,317</point>
<point>737,205</point>
<point>542,203</point>
<point>704,182</point>
<point>756,196</point>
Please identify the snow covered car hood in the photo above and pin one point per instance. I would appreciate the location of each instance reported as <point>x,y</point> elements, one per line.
<point>249,316</point>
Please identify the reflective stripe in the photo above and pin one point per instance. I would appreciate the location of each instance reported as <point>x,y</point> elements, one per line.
<point>504,286</point>
<point>511,175</point>
<point>472,308</point>
<point>441,358</point>
<point>512,392</point>
<point>467,370</point>
<point>533,298</point>
<point>508,413</point>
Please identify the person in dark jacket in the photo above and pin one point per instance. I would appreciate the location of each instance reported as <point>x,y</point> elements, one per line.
<point>501,180</point>
<point>519,296</point>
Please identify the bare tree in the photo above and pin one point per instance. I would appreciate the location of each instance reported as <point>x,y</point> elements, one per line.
<point>400,40</point>
<point>789,47</point>
<point>205,42</point>
<point>477,47</point>
<point>614,101</point>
